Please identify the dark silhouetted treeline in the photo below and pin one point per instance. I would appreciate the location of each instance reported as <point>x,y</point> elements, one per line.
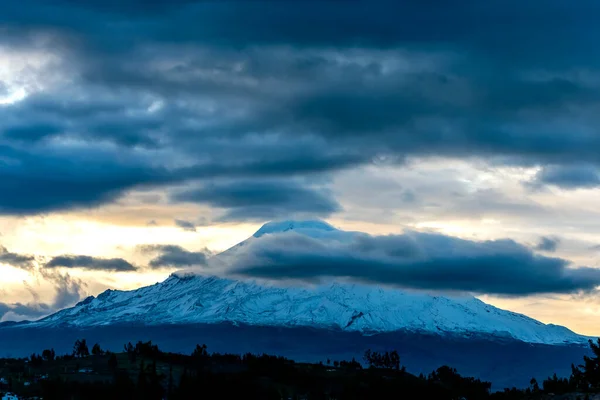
<point>143,371</point>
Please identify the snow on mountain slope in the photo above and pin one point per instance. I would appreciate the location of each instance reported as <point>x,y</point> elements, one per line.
<point>314,228</point>
<point>351,307</point>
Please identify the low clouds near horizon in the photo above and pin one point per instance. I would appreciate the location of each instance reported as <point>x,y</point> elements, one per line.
<point>24,261</point>
<point>68,291</point>
<point>414,260</point>
<point>90,263</point>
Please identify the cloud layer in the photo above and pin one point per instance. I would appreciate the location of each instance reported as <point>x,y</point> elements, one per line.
<point>189,91</point>
<point>23,261</point>
<point>172,256</point>
<point>414,260</point>
<point>68,290</point>
<point>569,177</point>
<point>262,200</point>
<point>90,263</point>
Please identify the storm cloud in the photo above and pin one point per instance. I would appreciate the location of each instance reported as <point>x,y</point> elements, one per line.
<point>415,260</point>
<point>174,256</point>
<point>176,92</point>
<point>262,200</point>
<point>91,263</point>
<point>569,176</point>
<point>69,178</point>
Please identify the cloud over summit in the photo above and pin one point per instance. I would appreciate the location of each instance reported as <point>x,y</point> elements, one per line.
<point>414,260</point>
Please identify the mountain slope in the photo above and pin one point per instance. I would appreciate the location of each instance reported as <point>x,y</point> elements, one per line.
<point>193,299</point>
<point>349,307</point>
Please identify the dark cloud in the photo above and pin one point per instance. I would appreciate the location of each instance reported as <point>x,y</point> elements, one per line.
<point>31,132</point>
<point>25,311</point>
<point>185,225</point>
<point>91,263</point>
<point>45,177</point>
<point>275,161</point>
<point>23,261</point>
<point>262,200</point>
<point>62,178</point>
<point>104,119</point>
<point>568,176</point>
<point>415,260</point>
<point>378,24</point>
<point>548,244</point>
<point>168,92</point>
<point>175,256</point>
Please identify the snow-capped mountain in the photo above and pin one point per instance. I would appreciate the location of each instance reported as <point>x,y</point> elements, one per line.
<point>314,228</point>
<point>188,298</point>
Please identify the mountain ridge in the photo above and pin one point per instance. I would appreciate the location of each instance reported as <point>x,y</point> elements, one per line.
<point>185,297</point>
<point>346,307</point>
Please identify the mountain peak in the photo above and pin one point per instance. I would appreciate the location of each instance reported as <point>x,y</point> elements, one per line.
<point>289,225</point>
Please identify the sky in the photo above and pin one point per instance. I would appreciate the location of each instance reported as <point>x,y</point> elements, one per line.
<point>462,137</point>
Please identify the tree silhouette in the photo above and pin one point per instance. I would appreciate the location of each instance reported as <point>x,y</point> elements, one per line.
<point>48,355</point>
<point>131,353</point>
<point>200,351</point>
<point>147,349</point>
<point>35,360</point>
<point>556,385</point>
<point>97,350</point>
<point>80,348</point>
<point>389,360</point>
<point>590,370</point>
<point>535,387</point>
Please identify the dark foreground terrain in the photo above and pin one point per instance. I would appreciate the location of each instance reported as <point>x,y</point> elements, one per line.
<point>505,363</point>
<point>143,371</point>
